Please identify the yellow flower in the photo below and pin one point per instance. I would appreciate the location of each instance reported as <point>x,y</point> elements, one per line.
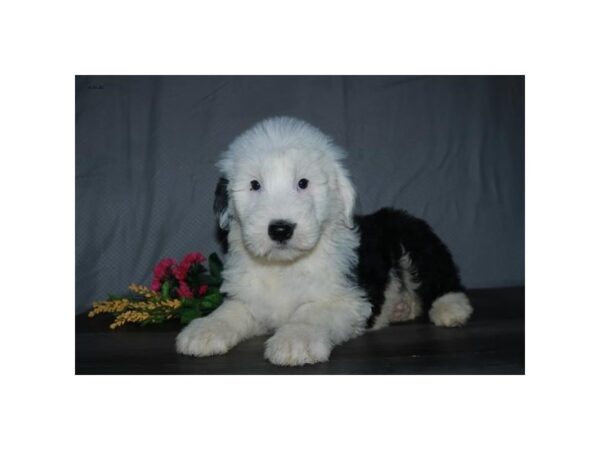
<point>172,303</point>
<point>153,308</point>
<point>143,290</point>
<point>108,306</point>
<point>129,316</point>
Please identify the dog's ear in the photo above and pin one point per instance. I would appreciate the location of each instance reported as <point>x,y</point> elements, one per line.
<point>347,194</point>
<point>221,204</point>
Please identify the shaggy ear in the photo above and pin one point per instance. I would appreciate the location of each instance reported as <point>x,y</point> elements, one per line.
<point>347,194</point>
<point>221,203</point>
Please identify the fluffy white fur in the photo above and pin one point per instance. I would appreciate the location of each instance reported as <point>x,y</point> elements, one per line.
<point>451,310</point>
<point>298,290</point>
<point>401,303</point>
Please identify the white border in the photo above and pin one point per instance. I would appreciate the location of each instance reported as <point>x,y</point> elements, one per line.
<point>46,43</point>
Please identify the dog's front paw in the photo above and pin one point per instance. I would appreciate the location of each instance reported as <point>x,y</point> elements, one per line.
<point>298,344</point>
<point>206,336</point>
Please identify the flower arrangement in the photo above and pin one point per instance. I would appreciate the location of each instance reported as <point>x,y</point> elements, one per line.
<point>183,291</point>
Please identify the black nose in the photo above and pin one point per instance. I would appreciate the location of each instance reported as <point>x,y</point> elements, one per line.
<point>280,230</point>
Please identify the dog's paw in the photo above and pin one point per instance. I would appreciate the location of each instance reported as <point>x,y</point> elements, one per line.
<point>451,310</point>
<point>298,344</point>
<point>205,337</point>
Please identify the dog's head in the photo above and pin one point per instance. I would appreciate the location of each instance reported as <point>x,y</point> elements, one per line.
<point>284,184</point>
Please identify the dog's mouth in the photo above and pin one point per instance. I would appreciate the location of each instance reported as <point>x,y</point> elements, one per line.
<point>289,251</point>
<point>283,251</point>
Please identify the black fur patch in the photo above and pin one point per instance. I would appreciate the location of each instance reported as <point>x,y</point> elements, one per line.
<point>220,205</point>
<point>385,236</point>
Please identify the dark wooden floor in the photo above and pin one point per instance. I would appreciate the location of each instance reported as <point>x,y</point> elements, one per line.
<point>492,343</point>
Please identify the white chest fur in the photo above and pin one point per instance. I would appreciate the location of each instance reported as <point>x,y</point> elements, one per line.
<point>273,291</point>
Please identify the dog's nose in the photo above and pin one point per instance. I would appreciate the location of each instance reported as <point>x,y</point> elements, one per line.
<point>281,230</point>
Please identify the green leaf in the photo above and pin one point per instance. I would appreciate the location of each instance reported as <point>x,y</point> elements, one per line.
<point>212,290</point>
<point>166,286</point>
<point>213,299</point>
<point>215,266</point>
<point>186,303</point>
<point>204,278</point>
<point>188,315</point>
<point>205,304</point>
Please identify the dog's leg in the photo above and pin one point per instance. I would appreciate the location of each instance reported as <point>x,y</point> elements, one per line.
<point>451,310</point>
<point>219,332</point>
<point>314,329</point>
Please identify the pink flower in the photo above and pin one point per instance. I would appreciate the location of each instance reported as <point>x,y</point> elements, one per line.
<point>202,290</point>
<point>184,290</point>
<point>156,285</point>
<point>180,272</point>
<point>168,268</point>
<point>162,270</point>
<point>163,267</point>
<point>194,257</point>
<point>190,259</point>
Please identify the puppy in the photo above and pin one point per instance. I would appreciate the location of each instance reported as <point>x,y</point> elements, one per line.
<point>301,266</point>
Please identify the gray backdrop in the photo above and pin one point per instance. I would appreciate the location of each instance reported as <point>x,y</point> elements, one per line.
<point>448,149</point>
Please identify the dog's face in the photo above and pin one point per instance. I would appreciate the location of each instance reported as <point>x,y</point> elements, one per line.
<point>283,192</point>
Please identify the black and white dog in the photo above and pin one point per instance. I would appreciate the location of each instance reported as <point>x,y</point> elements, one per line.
<point>301,266</point>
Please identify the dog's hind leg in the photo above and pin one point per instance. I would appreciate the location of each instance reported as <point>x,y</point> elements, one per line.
<point>430,275</point>
<point>408,307</point>
<point>400,305</point>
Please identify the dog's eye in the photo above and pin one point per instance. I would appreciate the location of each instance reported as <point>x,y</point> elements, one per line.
<point>303,183</point>
<point>254,185</point>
